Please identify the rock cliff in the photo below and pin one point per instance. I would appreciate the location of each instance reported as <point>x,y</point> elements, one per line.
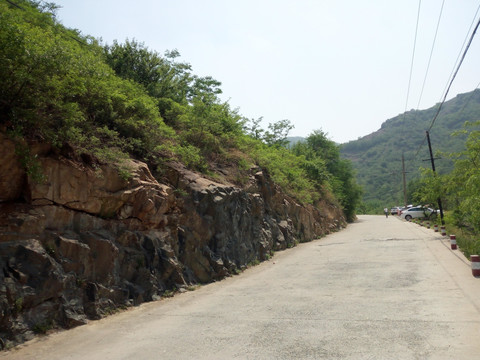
<point>87,240</point>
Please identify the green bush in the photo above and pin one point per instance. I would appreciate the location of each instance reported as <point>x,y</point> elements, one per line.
<point>60,90</point>
<point>110,102</point>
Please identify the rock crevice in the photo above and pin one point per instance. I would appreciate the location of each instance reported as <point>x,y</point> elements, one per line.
<point>87,241</point>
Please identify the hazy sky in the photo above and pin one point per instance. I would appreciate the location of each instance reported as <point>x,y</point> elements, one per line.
<point>338,65</point>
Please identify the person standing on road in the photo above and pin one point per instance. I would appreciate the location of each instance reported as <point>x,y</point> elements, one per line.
<point>386,212</point>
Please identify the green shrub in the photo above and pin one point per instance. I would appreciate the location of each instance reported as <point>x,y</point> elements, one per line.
<point>63,88</point>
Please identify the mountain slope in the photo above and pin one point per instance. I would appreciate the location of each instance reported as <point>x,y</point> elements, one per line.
<point>377,157</point>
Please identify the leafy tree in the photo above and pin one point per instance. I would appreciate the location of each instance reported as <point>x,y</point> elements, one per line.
<point>162,77</point>
<point>322,146</point>
<point>459,190</point>
<point>286,170</point>
<point>210,127</point>
<point>206,88</point>
<point>429,188</point>
<point>464,185</point>
<point>277,133</point>
<point>255,130</point>
<point>55,86</point>
<point>415,191</point>
<point>188,103</point>
<point>324,166</point>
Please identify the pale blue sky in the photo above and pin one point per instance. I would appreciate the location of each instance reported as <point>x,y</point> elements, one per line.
<point>339,66</point>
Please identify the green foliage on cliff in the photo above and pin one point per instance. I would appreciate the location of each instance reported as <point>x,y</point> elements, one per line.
<point>120,100</point>
<point>324,167</point>
<point>56,87</point>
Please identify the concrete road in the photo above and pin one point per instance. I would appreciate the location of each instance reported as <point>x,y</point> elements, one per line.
<point>381,289</point>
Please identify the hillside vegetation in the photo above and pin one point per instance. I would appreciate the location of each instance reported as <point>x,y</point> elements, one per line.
<point>377,157</point>
<point>456,138</point>
<point>103,103</point>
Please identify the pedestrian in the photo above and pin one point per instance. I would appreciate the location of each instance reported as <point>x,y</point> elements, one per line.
<point>386,212</point>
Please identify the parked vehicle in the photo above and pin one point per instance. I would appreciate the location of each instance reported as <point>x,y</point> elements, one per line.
<point>397,210</point>
<point>417,212</point>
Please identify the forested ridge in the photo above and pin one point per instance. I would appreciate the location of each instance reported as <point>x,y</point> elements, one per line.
<point>377,157</point>
<point>455,140</point>
<point>102,103</point>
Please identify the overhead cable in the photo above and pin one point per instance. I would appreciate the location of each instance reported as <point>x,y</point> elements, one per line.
<point>413,55</point>
<point>452,78</point>
<point>455,74</point>
<point>463,45</point>
<point>427,70</point>
<point>14,4</point>
<point>411,64</point>
<point>431,53</point>
<point>459,113</point>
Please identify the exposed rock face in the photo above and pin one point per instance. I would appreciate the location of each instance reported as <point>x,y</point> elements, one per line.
<point>12,174</point>
<point>87,241</point>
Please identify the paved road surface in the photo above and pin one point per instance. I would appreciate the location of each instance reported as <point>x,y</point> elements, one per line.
<point>381,289</point>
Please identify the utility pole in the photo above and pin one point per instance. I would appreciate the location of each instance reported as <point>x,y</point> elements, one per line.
<point>404,182</point>
<point>435,174</point>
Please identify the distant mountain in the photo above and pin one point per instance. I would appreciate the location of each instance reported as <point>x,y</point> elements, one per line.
<point>292,140</point>
<point>377,157</point>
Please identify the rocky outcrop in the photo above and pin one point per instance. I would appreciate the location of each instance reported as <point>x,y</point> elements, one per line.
<point>11,171</point>
<point>88,240</point>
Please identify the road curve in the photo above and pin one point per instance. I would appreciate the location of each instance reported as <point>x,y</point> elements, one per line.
<point>380,289</point>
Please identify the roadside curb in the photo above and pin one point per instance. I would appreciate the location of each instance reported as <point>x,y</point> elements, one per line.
<point>473,262</point>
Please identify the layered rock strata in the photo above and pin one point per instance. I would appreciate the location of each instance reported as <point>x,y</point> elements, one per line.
<point>87,241</point>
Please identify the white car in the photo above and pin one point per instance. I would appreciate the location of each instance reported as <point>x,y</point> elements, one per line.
<point>417,212</point>
<point>394,210</point>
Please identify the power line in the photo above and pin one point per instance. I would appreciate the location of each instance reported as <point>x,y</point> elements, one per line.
<point>452,77</point>
<point>459,113</point>
<point>13,4</point>
<point>431,53</point>
<point>428,68</point>
<point>463,45</point>
<point>455,74</point>
<point>411,71</point>
<point>413,56</point>
<point>419,147</point>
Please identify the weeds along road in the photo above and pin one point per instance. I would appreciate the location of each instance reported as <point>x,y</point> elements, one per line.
<point>380,289</point>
